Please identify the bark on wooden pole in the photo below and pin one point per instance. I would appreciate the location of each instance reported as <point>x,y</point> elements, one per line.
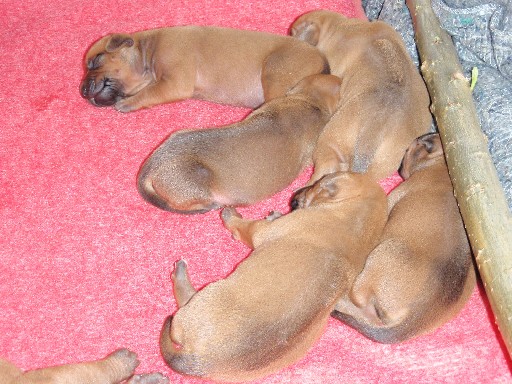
<point>476,185</point>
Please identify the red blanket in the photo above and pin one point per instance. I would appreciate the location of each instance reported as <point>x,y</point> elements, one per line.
<point>85,262</point>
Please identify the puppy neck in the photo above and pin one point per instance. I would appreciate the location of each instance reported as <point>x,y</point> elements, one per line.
<point>145,60</point>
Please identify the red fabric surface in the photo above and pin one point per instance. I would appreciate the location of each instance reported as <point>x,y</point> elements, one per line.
<point>85,262</point>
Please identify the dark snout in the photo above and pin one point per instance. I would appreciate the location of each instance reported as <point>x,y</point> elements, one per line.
<point>101,92</point>
<point>299,198</point>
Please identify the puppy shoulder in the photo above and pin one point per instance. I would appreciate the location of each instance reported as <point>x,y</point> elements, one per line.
<point>395,63</point>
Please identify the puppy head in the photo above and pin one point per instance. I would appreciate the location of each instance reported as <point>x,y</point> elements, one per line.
<point>111,72</point>
<point>332,188</point>
<point>323,90</point>
<point>309,27</point>
<point>423,152</point>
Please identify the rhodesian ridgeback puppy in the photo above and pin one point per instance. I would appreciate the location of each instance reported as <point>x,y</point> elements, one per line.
<point>384,103</point>
<point>237,67</point>
<point>113,369</point>
<point>200,170</point>
<point>421,273</point>
<point>272,308</point>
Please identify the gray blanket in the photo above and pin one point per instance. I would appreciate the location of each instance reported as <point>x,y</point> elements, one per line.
<point>482,33</point>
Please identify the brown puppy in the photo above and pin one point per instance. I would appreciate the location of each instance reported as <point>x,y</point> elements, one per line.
<point>245,68</point>
<point>273,307</point>
<point>421,273</point>
<point>113,369</point>
<point>384,104</point>
<point>200,170</point>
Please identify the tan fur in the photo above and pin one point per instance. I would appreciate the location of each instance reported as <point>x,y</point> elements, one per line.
<point>273,307</point>
<point>113,369</point>
<point>237,67</point>
<point>421,273</point>
<point>199,170</point>
<point>384,103</point>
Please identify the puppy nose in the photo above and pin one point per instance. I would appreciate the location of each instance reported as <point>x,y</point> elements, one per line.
<point>294,204</point>
<point>86,88</point>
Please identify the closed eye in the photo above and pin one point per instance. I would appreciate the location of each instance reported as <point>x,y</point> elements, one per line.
<point>95,62</point>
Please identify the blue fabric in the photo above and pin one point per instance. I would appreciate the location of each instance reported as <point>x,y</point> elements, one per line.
<point>482,34</point>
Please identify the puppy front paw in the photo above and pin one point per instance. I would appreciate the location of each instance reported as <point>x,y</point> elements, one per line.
<point>149,378</point>
<point>126,359</point>
<point>231,219</point>
<point>273,215</point>
<point>125,105</point>
<point>228,214</point>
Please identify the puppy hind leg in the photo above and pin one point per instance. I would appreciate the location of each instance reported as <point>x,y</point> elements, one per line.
<point>329,160</point>
<point>182,287</point>
<point>322,170</point>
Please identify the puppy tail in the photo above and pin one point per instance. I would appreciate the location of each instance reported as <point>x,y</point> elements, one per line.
<point>175,357</point>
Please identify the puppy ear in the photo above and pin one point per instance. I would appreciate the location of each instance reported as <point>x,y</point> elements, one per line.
<point>306,31</point>
<point>330,184</point>
<point>117,41</point>
<point>420,154</point>
<point>432,144</point>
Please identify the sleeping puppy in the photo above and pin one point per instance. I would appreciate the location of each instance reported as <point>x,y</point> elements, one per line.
<point>199,170</point>
<point>384,103</point>
<point>113,369</point>
<point>421,274</point>
<point>274,306</point>
<point>244,68</point>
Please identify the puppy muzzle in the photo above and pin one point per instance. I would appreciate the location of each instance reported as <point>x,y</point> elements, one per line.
<point>101,92</point>
<point>299,199</point>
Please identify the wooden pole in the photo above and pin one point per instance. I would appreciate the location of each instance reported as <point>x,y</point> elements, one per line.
<point>481,199</point>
